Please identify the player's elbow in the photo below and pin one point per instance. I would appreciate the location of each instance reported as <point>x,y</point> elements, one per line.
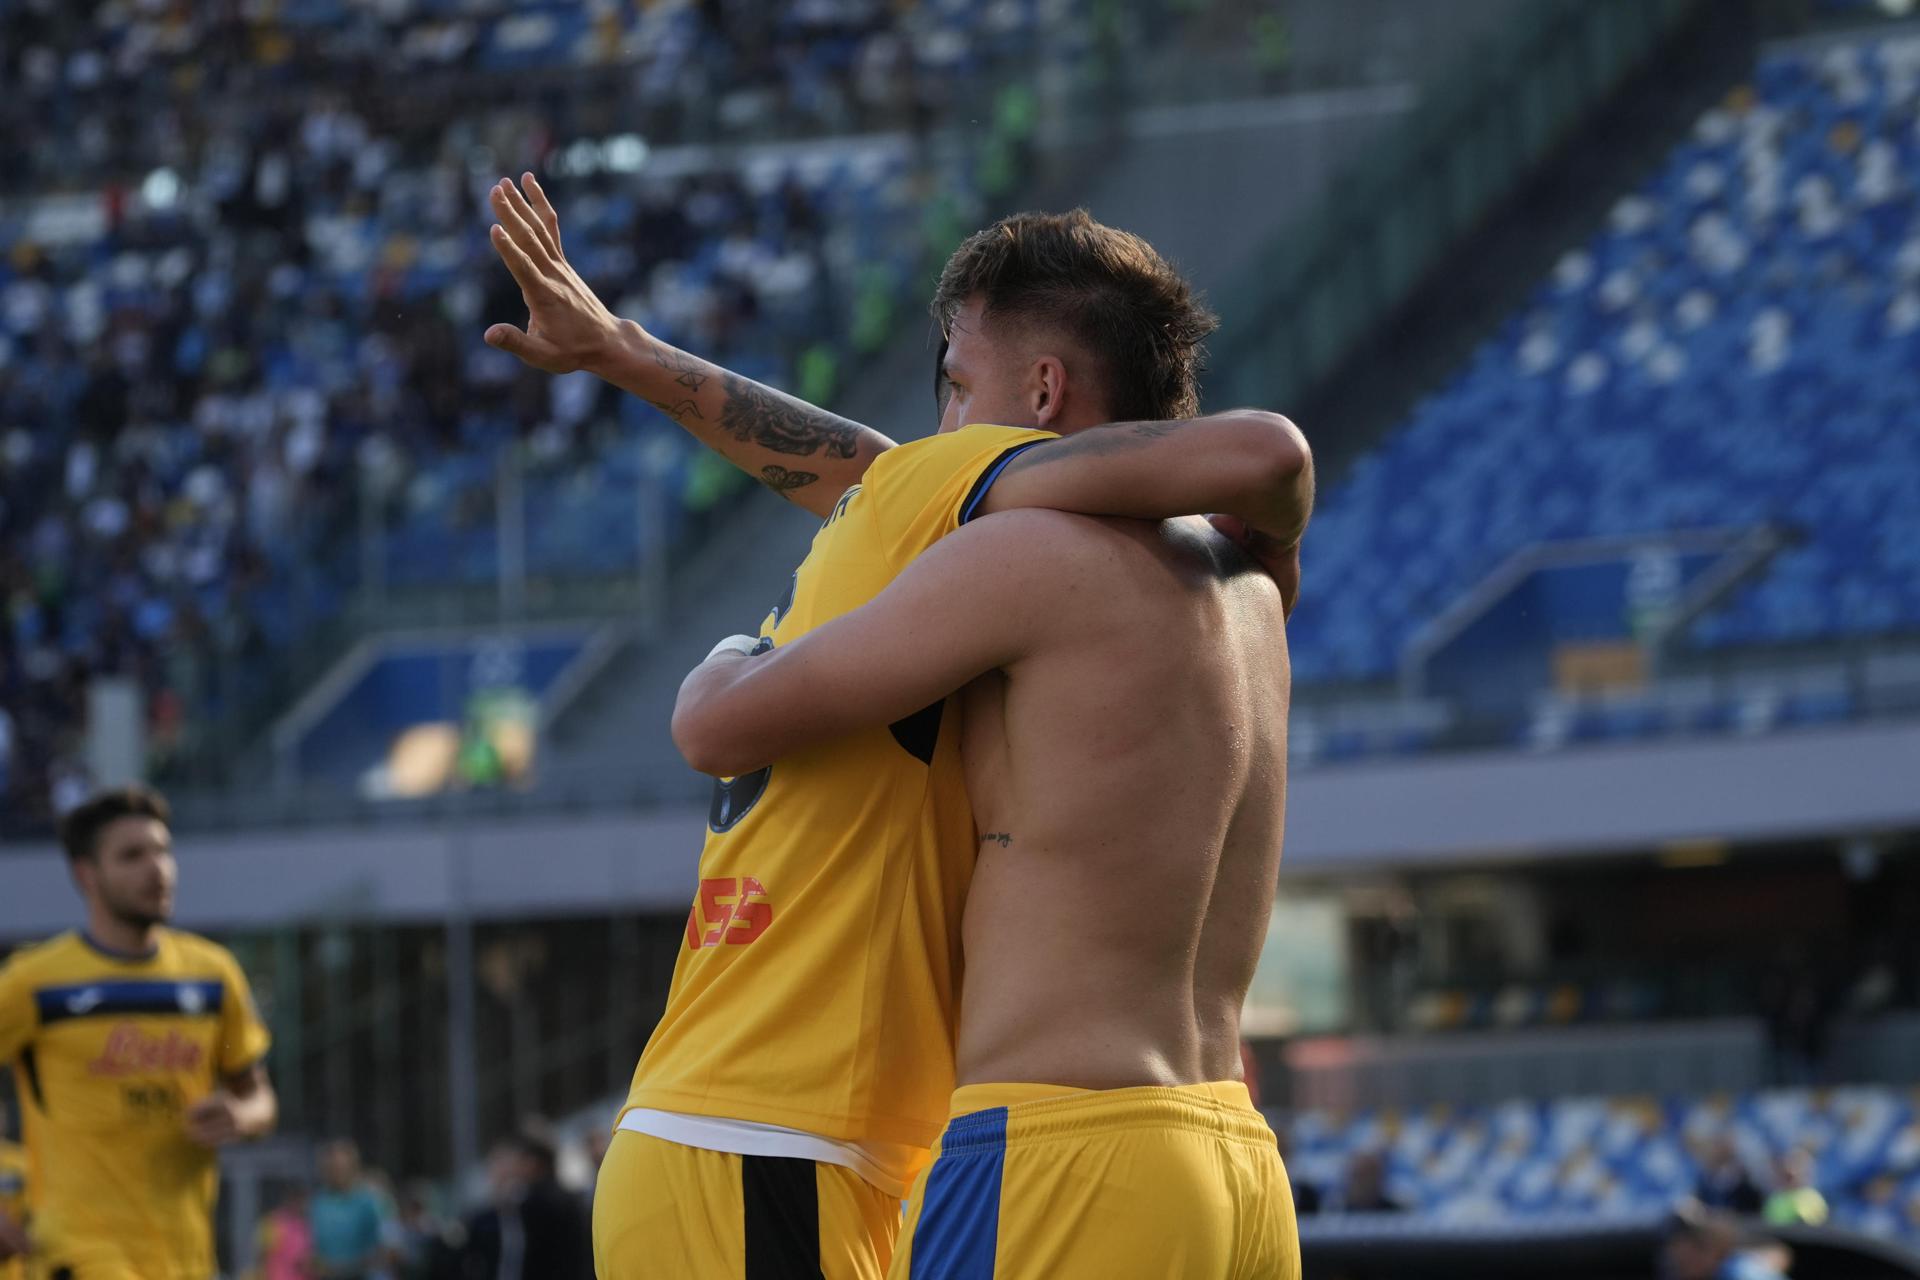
<point>701,736</point>
<point>1279,471</point>
<point>692,737</point>
<point>1276,451</point>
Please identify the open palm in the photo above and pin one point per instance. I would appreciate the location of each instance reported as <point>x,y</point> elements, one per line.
<point>568,327</point>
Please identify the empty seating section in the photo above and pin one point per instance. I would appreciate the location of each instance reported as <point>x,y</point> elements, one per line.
<point>1627,1156</point>
<point>1740,345</point>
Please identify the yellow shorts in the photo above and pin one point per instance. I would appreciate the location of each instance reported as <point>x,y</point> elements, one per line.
<point>675,1212</point>
<point>1038,1182</point>
<point>81,1264</point>
<point>82,1271</point>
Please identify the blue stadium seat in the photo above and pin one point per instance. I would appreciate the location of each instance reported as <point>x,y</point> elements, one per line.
<point>1740,346</point>
<point>1625,1155</point>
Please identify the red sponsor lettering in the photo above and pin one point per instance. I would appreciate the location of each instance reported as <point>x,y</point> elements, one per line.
<point>130,1051</point>
<point>733,910</point>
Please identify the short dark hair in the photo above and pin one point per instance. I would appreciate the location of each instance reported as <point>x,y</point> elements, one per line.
<point>1105,288</point>
<point>80,829</point>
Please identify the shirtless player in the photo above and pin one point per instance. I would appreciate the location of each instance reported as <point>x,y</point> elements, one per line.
<point>1124,690</point>
<point>804,1063</point>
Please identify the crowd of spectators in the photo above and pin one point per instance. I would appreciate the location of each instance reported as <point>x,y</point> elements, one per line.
<point>354,1225</point>
<point>108,88</point>
<point>247,269</point>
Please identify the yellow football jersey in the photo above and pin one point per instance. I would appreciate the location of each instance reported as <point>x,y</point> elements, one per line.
<point>817,987</point>
<point>13,1199</point>
<point>109,1051</point>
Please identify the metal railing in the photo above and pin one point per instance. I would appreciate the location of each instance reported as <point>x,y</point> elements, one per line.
<point>1329,280</point>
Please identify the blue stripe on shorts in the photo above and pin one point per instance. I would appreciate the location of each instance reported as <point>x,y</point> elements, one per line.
<point>959,1226</point>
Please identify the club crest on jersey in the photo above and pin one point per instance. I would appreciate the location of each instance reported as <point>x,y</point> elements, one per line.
<point>733,797</point>
<point>131,1051</point>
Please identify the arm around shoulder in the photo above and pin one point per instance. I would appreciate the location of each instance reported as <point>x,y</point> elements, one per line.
<point>1245,462</point>
<point>978,599</point>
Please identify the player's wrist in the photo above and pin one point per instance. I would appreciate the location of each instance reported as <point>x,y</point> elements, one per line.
<point>622,355</point>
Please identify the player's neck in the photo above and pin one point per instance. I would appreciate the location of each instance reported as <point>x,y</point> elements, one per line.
<point>1072,423</point>
<point>119,938</point>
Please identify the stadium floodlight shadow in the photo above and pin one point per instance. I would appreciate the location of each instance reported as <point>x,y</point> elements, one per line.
<point>1565,1247</point>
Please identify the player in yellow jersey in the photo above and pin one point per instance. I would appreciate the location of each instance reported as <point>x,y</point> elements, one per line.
<point>1123,709</point>
<point>801,1071</point>
<point>13,1204</point>
<point>138,1054</point>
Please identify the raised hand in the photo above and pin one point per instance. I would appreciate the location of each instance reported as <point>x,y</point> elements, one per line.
<point>803,453</point>
<point>568,327</point>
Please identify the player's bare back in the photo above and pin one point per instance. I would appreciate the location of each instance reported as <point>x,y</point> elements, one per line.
<point>1129,785</point>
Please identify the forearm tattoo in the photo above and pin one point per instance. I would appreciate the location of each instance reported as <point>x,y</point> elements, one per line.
<point>688,372</point>
<point>783,481</point>
<point>678,410</point>
<point>754,415</point>
<point>1117,437</point>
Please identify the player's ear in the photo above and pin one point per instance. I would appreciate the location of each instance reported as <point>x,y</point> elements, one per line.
<point>1047,389</point>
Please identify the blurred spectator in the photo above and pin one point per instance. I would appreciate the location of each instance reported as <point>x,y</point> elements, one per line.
<point>1366,1186</point>
<point>534,1229</point>
<point>599,1138</point>
<point>1725,1182</point>
<point>1703,1245</point>
<point>349,1224</point>
<point>68,785</point>
<point>285,1243</point>
<point>1797,1014</point>
<point>1795,1199</point>
<point>1877,1213</point>
<point>423,1245</point>
<point>493,1246</point>
<point>1306,1196</point>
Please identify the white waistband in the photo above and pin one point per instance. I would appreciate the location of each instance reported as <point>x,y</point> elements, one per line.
<point>749,1138</point>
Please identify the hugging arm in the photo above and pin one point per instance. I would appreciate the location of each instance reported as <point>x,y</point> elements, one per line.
<point>979,599</point>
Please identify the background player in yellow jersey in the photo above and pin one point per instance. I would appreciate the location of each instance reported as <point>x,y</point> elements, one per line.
<point>801,1070</point>
<point>1124,735</point>
<point>13,1202</point>
<point>138,1053</point>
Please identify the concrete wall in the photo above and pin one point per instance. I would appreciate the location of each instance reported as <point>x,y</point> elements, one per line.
<point>1447,810</point>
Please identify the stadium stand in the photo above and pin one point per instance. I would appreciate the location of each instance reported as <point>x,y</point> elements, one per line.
<point>1626,1157</point>
<point>215,368</point>
<point>1674,496</point>
<point>1736,348</point>
<point>248,254</point>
